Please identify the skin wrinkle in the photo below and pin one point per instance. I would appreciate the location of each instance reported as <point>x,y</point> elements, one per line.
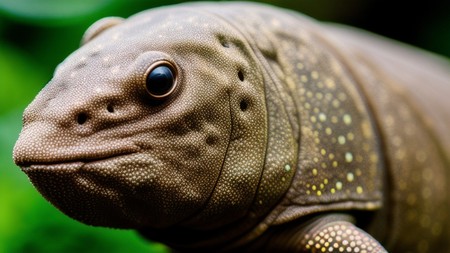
<point>221,171</point>
<point>282,134</point>
<point>387,179</point>
<point>253,202</point>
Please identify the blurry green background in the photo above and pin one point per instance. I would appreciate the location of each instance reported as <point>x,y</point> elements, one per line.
<point>35,35</point>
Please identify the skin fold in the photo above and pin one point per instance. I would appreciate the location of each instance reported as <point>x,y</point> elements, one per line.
<point>243,127</point>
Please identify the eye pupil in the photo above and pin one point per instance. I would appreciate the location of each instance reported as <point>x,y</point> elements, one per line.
<point>160,81</point>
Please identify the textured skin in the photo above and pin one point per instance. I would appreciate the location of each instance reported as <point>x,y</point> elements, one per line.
<point>282,134</point>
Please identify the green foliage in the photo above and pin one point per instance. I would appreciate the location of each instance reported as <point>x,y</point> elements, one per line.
<point>35,35</point>
<point>49,11</point>
<point>12,65</point>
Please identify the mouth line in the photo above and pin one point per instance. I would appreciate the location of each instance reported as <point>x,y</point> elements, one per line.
<point>74,162</point>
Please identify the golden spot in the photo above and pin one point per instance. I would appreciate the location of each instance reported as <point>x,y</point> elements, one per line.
<point>330,83</point>
<point>307,106</point>
<point>323,165</point>
<point>308,192</point>
<point>370,206</point>
<point>339,185</point>
<point>325,181</point>
<point>334,119</point>
<point>366,129</point>
<point>291,83</point>
<point>348,157</point>
<point>303,78</point>
<point>359,190</point>
<point>358,172</point>
<point>315,159</point>
<point>400,154</point>
<point>331,156</point>
<point>421,156</point>
<point>359,158</point>
<point>323,151</point>
<point>373,157</point>
<point>283,179</point>
<point>336,103</point>
<point>347,119</point>
<point>309,94</point>
<point>314,188</point>
<point>350,136</point>
<point>287,167</point>
<point>321,186</point>
<point>322,117</point>
<point>335,164</point>
<point>319,193</point>
<point>319,95</point>
<point>260,202</point>
<point>328,131</point>
<point>342,96</point>
<point>350,177</point>
<point>300,66</point>
<point>313,119</point>
<point>332,191</point>
<point>314,172</point>
<point>314,75</point>
<point>389,120</point>
<point>341,140</point>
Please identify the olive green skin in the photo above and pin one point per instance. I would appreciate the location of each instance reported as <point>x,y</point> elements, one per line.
<point>281,133</point>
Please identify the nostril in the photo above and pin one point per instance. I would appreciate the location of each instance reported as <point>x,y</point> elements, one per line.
<point>241,75</point>
<point>110,108</point>
<point>243,105</point>
<point>82,118</point>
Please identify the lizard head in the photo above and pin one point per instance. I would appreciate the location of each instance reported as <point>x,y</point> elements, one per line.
<point>149,123</point>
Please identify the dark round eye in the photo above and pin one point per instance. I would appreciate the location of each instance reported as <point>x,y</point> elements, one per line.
<point>160,81</point>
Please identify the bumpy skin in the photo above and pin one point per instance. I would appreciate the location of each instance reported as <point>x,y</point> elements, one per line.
<point>282,134</point>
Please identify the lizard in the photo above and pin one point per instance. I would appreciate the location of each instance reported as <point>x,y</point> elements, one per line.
<point>245,127</point>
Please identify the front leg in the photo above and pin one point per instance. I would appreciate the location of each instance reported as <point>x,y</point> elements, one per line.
<point>340,236</point>
<point>333,233</point>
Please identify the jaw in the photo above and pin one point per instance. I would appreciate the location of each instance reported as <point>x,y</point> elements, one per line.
<point>93,192</point>
<point>126,191</point>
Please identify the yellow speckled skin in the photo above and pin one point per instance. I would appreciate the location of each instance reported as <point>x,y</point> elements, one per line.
<point>281,135</point>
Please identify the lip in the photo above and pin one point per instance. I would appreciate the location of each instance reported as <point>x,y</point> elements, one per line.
<point>68,165</point>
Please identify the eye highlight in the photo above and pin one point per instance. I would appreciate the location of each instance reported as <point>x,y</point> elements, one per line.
<point>160,80</point>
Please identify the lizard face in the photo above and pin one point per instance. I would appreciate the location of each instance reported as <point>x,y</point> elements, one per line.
<point>136,127</point>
